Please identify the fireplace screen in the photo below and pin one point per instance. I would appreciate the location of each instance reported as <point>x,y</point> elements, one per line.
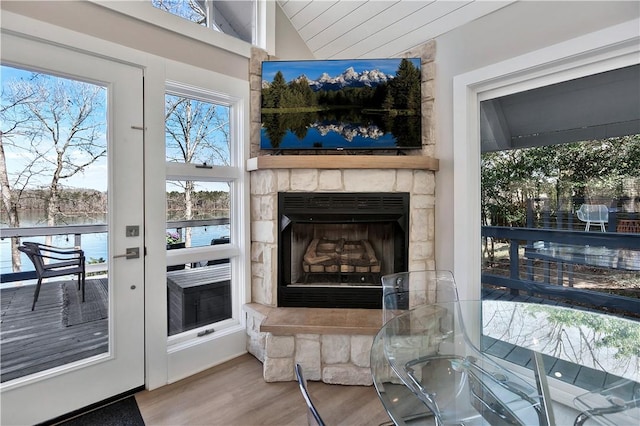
<point>334,247</point>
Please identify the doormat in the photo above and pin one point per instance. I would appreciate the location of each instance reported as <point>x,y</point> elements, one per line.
<point>120,413</point>
<point>95,307</point>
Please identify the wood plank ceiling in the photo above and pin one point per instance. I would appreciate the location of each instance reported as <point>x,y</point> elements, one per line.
<point>343,29</point>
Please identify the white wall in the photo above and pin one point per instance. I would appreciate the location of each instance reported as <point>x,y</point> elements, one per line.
<point>289,45</point>
<point>184,42</point>
<point>507,33</point>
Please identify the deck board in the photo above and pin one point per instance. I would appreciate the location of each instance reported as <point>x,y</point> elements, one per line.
<point>34,341</point>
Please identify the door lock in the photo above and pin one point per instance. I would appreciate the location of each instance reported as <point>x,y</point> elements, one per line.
<point>133,230</point>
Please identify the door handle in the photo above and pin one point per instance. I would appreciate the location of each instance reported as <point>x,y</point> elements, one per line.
<point>132,253</point>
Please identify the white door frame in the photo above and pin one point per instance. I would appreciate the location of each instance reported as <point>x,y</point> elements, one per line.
<point>600,51</point>
<point>49,394</point>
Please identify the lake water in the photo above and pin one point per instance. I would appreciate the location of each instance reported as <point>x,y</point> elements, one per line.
<point>94,245</point>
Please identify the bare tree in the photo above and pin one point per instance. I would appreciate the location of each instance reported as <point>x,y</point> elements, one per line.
<point>193,10</point>
<point>55,128</point>
<point>11,196</point>
<point>197,132</point>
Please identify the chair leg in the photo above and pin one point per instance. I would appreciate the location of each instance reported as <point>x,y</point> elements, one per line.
<point>36,294</point>
<point>81,280</point>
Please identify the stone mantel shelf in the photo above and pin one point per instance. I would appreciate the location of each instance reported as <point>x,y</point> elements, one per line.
<point>419,162</point>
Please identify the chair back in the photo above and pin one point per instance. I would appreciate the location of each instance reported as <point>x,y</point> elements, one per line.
<point>403,291</point>
<point>400,403</point>
<point>313,417</point>
<point>33,253</point>
<point>593,213</point>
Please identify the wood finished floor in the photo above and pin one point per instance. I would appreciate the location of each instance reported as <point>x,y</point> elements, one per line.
<point>235,394</point>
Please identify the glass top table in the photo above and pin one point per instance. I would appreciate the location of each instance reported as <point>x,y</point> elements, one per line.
<point>439,353</point>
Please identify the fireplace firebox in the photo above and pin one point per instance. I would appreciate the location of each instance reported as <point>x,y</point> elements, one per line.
<point>334,247</point>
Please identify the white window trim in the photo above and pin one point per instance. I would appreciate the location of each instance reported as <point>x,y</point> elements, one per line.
<point>600,51</point>
<point>186,352</point>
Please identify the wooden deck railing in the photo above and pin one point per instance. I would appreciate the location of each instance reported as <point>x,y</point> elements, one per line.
<point>538,245</point>
<point>78,231</point>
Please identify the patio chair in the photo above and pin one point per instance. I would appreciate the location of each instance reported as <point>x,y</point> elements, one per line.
<point>597,214</point>
<point>51,261</point>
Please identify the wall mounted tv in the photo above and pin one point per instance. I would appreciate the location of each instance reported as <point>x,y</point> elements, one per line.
<point>361,104</point>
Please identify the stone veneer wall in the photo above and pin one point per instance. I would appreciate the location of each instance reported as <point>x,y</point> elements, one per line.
<point>265,185</point>
<point>332,357</point>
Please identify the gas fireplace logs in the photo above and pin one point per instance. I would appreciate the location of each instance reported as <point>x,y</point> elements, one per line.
<point>340,256</point>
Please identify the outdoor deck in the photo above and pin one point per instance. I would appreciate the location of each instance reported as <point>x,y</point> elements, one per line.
<point>59,331</point>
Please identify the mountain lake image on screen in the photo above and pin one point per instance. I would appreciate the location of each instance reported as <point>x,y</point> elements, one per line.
<point>358,104</point>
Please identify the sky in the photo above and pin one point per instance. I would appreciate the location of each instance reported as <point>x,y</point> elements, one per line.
<point>94,176</point>
<point>314,68</point>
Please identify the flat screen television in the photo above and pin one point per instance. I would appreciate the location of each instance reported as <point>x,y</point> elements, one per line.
<point>360,104</point>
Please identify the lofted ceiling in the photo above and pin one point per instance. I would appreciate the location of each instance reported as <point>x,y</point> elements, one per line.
<point>353,29</point>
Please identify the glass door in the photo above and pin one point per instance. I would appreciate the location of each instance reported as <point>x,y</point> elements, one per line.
<point>71,175</point>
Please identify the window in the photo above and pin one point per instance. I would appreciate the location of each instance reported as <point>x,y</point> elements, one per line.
<point>201,191</point>
<point>614,48</point>
<point>236,18</point>
<point>574,197</point>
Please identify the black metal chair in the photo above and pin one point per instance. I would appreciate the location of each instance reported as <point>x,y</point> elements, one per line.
<point>313,417</point>
<point>51,261</point>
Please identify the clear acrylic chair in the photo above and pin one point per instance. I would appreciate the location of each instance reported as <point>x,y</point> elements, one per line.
<point>402,405</point>
<point>405,290</point>
<point>436,360</point>
<point>402,291</point>
<point>313,416</point>
<point>617,403</point>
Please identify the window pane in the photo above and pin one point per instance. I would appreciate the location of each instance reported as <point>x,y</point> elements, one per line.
<point>197,213</point>
<point>198,292</point>
<point>54,148</point>
<point>580,205</point>
<point>189,10</point>
<point>235,18</point>
<point>197,132</point>
<point>198,296</point>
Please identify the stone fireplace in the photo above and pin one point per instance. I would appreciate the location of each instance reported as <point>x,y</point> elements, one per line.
<point>331,342</point>
<point>417,224</point>
<point>334,247</point>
